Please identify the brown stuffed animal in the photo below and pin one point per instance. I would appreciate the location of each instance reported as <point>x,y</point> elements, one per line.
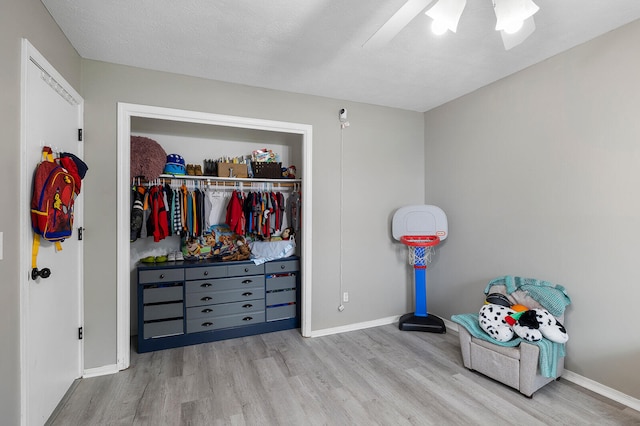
<point>243,253</point>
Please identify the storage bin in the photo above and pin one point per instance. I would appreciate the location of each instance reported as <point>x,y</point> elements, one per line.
<point>232,170</point>
<point>267,170</point>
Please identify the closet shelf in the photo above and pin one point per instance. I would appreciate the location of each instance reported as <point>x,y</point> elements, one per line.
<point>227,179</point>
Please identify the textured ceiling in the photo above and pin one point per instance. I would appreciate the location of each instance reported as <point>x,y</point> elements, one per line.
<point>316,46</point>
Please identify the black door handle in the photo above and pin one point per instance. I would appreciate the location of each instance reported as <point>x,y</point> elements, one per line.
<point>43,273</point>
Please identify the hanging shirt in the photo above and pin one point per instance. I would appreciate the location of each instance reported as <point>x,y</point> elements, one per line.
<point>294,211</point>
<point>217,202</point>
<point>137,213</point>
<point>281,208</point>
<point>177,213</point>
<point>168,202</point>
<point>235,216</point>
<point>158,223</point>
<point>184,207</point>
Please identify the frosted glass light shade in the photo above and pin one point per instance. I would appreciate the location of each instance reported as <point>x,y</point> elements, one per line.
<point>446,14</point>
<point>512,40</point>
<point>511,14</point>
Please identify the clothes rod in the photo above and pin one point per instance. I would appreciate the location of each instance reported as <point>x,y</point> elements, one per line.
<point>221,183</point>
<point>229,179</point>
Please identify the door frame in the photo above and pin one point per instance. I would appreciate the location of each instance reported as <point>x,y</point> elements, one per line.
<point>31,54</point>
<point>125,112</point>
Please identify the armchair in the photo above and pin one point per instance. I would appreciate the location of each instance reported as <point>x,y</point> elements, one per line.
<point>524,366</point>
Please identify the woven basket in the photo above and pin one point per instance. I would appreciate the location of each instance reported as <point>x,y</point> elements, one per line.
<point>267,170</point>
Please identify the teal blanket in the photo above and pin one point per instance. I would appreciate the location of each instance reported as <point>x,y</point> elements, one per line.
<point>550,351</point>
<point>553,297</point>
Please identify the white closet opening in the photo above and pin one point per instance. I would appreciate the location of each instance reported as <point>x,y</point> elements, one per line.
<point>212,133</point>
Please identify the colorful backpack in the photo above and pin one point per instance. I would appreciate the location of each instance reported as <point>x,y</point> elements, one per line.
<point>54,193</point>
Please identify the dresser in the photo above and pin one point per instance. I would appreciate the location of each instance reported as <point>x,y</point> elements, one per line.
<point>186,303</point>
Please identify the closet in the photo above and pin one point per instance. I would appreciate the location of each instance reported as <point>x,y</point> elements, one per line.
<point>197,141</point>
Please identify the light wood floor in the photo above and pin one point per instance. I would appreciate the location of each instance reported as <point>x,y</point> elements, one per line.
<point>377,376</point>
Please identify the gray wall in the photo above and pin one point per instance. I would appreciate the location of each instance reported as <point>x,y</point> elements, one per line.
<point>29,19</point>
<point>540,176</point>
<point>383,156</point>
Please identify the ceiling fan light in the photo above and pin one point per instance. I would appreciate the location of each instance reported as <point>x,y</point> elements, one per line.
<point>511,12</point>
<point>446,13</point>
<point>512,40</point>
<point>438,27</point>
<point>514,27</point>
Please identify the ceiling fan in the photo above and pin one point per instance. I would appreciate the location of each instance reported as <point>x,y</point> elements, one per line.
<point>514,19</point>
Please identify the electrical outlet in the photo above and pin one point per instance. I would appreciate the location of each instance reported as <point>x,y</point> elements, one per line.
<point>345,296</point>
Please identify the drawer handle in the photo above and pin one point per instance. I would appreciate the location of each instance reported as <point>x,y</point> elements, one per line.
<point>247,318</point>
<point>248,293</point>
<point>246,269</point>
<point>206,273</point>
<point>248,305</point>
<point>247,281</point>
<point>207,324</point>
<point>206,311</point>
<point>205,285</point>
<point>282,266</point>
<point>206,298</point>
<point>161,276</point>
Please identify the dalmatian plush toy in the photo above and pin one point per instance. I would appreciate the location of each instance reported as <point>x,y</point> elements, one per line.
<point>500,321</point>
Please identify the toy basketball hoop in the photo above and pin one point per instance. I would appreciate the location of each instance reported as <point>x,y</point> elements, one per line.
<point>421,228</point>
<point>420,248</point>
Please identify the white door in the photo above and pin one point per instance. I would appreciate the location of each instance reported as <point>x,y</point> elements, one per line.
<point>51,308</point>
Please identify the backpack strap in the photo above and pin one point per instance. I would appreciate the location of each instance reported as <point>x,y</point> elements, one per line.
<point>34,250</point>
<point>47,154</point>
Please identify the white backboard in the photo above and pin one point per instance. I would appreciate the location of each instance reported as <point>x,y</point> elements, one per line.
<point>420,220</point>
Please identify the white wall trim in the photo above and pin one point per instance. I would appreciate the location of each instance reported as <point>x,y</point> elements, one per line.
<point>582,381</point>
<point>450,325</point>
<point>123,302</point>
<point>27,50</point>
<point>125,112</point>
<point>601,389</point>
<point>105,370</point>
<point>355,326</point>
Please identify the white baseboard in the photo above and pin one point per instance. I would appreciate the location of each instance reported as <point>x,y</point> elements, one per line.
<point>354,327</point>
<point>100,371</point>
<point>601,389</point>
<point>586,383</point>
<point>450,325</point>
